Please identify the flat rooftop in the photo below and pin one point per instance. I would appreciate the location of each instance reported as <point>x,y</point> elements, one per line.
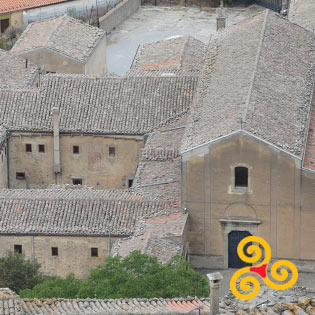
<point>153,23</point>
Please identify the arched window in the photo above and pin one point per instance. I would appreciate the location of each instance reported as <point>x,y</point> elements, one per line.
<point>241,176</point>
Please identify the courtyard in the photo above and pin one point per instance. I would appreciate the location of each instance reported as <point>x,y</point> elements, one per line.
<point>153,23</point>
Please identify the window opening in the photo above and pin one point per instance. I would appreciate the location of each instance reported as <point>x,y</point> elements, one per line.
<point>241,176</point>
<point>28,147</point>
<point>77,181</point>
<point>94,252</point>
<point>18,249</point>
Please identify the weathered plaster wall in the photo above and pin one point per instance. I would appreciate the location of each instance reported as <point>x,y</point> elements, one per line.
<point>119,14</point>
<point>96,64</point>
<point>278,195</point>
<point>74,253</point>
<point>93,164</point>
<point>54,62</point>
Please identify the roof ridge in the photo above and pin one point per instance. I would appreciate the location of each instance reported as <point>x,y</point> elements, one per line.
<point>255,68</point>
<point>183,51</point>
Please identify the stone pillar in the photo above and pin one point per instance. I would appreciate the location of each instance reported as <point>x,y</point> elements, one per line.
<point>55,118</point>
<point>220,17</point>
<point>214,283</point>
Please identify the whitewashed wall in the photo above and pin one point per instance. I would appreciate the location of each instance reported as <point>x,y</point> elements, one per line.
<point>76,9</point>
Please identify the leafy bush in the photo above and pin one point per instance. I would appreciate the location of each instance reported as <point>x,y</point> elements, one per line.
<point>18,273</point>
<point>136,276</point>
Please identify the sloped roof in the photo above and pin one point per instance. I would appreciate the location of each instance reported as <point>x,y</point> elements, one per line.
<point>159,169</point>
<point>160,235</point>
<point>12,304</point>
<point>63,34</point>
<point>302,12</point>
<point>258,76</point>
<point>15,72</point>
<point>74,211</point>
<point>131,105</point>
<point>7,6</point>
<point>176,53</point>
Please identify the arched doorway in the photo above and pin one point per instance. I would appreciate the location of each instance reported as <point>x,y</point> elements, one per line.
<point>234,237</point>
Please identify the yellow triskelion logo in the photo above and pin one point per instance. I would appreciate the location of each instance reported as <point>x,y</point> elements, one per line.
<point>251,284</point>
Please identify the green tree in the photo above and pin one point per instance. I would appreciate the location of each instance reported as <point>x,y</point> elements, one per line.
<point>136,276</point>
<point>18,273</point>
<point>55,287</point>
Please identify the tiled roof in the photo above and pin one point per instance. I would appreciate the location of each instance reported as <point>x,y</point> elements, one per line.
<point>302,12</point>
<point>258,76</point>
<point>131,105</point>
<point>18,5</point>
<point>159,169</point>
<point>161,235</point>
<point>12,304</point>
<point>177,53</point>
<point>163,73</point>
<point>15,72</point>
<point>83,211</point>
<point>63,34</point>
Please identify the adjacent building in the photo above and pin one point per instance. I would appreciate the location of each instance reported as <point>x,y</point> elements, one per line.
<point>19,13</point>
<point>247,153</point>
<point>63,45</point>
<point>86,130</point>
<point>16,72</point>
<point>68,229</point>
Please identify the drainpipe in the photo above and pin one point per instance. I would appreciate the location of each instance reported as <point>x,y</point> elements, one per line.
<point>33,251</point>
<point>214,282</point>
<point>55,117</point>
<point>8,160</point>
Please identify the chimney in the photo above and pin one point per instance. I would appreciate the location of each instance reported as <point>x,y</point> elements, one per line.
<point>55,117</point>
<point>214,282</point>
<point>220,17</point>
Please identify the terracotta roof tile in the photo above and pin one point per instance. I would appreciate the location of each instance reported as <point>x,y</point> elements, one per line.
<point>81,211</point>
<point>177,53</point>
<point>18,5</point>
<point>160,235</point>
<point>128,105</point>
<point>259,72</point>
<point>15,73</point>
<point>63,34</point>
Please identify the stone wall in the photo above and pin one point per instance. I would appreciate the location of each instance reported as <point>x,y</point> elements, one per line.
<point>74,253</point>
<point>200,3</point>
<point>54,62</point>
<point>96,65</point>
<point>93,164</point>
<point>119,14</point>
<point>277,203</point>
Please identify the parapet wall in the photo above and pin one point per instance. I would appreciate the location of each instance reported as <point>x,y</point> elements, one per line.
<point>119,14</point>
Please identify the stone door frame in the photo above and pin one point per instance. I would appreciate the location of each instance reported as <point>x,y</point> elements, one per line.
<point>236,224</point>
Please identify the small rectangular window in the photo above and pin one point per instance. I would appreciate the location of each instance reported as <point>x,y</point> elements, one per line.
<point>77,181</point>
<point>18,249</point>
<point>54,251</point>
<point>94,252</point>
<point>130,182</point>
<point>20,176</point>
<point>41,148</point>
<point>28,147</point>
<point>111,151</point>
<point>76,149</point>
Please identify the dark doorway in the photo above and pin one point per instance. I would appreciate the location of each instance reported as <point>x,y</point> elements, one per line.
<point>234,238</point>
<point>4,24</point>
